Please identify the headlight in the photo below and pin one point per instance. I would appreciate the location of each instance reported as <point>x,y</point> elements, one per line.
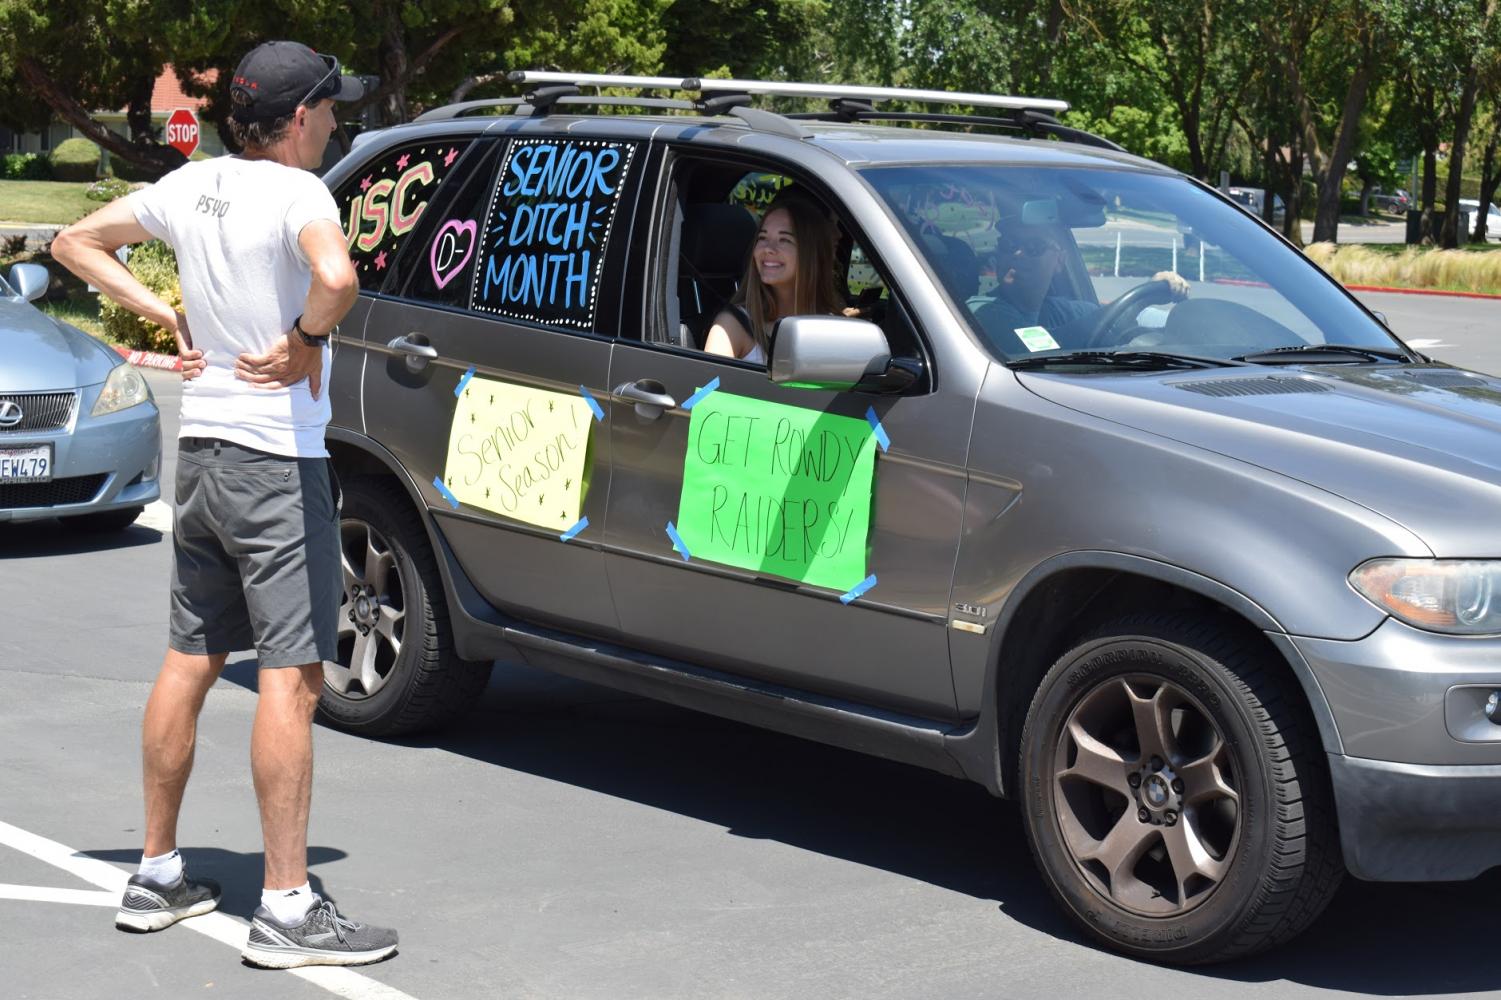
<point>123,389</point>
<point>1457,596</point>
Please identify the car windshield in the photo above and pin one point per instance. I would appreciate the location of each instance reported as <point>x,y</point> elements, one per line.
<point>1047,261</point>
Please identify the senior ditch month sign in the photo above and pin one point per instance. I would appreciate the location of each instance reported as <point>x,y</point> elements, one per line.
<point>778,489</point>
<point>519,452</point>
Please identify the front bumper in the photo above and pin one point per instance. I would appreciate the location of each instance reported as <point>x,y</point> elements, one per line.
<point>1417,822</point>
<point>1418,785</point>
<point>98,463</point>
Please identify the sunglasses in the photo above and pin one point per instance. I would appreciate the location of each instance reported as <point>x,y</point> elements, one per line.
<point>332,62</point>
<point>1034,247</point>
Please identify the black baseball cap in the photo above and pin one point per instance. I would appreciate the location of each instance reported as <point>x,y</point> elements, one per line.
<point>275,77</point>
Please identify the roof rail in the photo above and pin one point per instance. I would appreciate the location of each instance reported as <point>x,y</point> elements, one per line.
<point>773,88</point>
<point>1032,116</point>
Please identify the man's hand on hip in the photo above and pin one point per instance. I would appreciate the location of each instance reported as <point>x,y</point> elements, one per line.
<point>193,361</point>
<point>287,363</point>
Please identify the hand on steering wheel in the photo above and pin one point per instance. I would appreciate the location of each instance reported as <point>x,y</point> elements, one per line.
<point>1154,292</point>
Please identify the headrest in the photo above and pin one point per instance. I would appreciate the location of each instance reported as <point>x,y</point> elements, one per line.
<point>717,237</point>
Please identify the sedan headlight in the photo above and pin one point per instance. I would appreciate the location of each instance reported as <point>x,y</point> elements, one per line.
<point>123,389</point>
<point>1456,596</point>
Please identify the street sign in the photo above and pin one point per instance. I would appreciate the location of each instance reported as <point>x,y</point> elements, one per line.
<point>182,131</point>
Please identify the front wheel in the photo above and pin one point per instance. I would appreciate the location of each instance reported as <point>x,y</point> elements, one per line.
<point>1175,799</point>
<point>397,671</point>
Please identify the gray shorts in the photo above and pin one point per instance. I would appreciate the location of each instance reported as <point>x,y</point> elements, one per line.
<point>255,554</point>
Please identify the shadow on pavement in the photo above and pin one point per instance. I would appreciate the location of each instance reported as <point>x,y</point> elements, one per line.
<point>53,537</point>
<point>1382,939</point>
<point>237,872</point>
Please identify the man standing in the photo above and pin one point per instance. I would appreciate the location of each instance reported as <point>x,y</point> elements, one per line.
<point>265,278</point>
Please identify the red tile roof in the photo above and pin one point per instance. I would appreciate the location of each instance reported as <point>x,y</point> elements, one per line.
<point>167,95</point>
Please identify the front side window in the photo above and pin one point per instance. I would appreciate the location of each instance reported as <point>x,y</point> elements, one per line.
<point>1051,260</point>
<point>545,239</point>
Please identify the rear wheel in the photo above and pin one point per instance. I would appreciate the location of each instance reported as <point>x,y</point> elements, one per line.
<point>397,671</point>
<point>1175,797</point>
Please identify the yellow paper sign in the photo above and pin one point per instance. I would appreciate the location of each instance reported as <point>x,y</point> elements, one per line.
<point>519,452</point>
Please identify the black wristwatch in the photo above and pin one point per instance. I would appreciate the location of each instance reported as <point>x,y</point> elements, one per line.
<point>309,339</point>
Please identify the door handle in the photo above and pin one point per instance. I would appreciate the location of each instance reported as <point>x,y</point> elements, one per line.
<point>649,395</point>
<point>417,350</point>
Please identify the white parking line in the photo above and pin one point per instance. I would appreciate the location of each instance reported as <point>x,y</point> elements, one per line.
<point>219,926</point>
<point>46,894</point>
<point>158,515</point>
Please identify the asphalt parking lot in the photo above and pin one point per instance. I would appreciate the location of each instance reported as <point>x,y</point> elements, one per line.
<point>566,841</point>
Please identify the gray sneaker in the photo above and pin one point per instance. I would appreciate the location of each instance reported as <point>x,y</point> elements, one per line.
<point>148,906</point>
<point>322,938</point>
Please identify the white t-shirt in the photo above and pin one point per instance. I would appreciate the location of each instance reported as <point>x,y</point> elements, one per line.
<point>234,224</point>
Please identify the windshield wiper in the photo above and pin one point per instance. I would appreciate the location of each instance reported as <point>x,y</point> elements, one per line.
<point>1146,360</point>
<point>1305,354</point>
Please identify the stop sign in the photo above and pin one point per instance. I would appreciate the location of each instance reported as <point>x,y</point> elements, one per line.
<point>182,131</point>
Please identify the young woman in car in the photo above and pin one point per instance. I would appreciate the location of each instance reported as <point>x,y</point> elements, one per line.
<point>791,273</point>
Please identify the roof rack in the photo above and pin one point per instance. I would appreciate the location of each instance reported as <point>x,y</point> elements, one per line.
<point>1031,116</point>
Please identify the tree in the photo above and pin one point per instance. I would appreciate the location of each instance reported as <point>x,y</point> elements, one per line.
<point>1478,32</point>
<point>74,57</point>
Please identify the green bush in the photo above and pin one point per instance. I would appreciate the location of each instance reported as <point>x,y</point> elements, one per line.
<point>26,167</point>
<point>107,189</point>
<point>155,265</point>
<point>75,160</point>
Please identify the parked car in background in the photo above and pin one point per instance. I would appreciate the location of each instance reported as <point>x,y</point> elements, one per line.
<point>1396,201</point>
<point>1468,207</point>
<point>80,435</point>
<point>1254,198</point>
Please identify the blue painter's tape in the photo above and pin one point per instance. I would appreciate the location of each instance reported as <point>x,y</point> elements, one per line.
<point>875,425</point>
<point>697,397</point>
<point>599,411</point>
<point>858,589</point>
<point>677,540</point>
<point>438,485</point>
<point>459,389</point>
<point>583,523</point>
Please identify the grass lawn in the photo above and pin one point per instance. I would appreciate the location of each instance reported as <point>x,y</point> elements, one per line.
<point>44,201</point>
<point>81,311</point>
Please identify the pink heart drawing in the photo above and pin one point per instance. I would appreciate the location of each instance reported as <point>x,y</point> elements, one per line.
<point>452,248</point>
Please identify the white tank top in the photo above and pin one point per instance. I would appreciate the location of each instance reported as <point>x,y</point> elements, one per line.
<point>755,355</point>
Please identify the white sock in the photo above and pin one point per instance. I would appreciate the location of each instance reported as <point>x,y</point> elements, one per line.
<point>288,906</point>
<point>164,869</point>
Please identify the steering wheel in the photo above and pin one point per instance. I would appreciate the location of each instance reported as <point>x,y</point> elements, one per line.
<point>1147,293</point>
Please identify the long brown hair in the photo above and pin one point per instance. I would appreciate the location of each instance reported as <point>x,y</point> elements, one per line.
<point>814,289</point>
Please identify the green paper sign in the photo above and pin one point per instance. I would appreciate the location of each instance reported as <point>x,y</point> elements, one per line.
<point>778,489</point>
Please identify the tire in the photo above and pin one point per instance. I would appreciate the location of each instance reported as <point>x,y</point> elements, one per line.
<point>409,678</point>
<point>1207,837</point>
<point>105,520</point>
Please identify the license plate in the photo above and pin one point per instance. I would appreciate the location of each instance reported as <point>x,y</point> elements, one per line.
<point>32,464</point>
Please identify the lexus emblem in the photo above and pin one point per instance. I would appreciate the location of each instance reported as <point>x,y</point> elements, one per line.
<point>10,413</point>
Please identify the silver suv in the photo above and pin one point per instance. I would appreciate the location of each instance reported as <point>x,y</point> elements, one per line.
<point>1099,494</point>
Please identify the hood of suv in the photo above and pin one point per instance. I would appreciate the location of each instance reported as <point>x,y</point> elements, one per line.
<point>1420,444</point>
<point>42,354</point>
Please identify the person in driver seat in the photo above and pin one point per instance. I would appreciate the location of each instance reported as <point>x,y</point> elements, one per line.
<point>790,273</point>
<point>1026,260</point>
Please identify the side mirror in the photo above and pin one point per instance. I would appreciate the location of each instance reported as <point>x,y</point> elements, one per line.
<point>827,352</point>
<point>30,281</point>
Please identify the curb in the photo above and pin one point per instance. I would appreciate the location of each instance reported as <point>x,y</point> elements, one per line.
<point>1422,291</point>
<point>150,359</point>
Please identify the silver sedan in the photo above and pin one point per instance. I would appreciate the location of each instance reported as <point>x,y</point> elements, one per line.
<point>80,435</point>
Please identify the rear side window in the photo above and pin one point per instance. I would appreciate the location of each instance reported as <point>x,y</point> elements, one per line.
<point>381,203</point>
<point>545,239</point>
<point>439,266</point>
